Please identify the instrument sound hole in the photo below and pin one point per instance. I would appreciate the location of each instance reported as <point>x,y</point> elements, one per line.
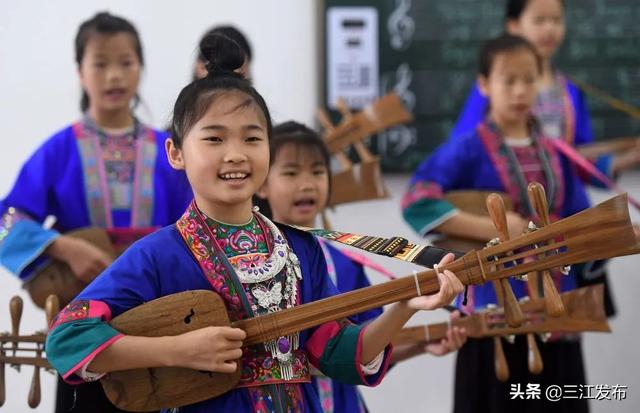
<point>187,319</point>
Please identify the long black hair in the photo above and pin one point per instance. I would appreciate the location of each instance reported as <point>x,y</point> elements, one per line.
<point>104,23</point>
<point>503,44</point>
<point>223,56</point>
<point>515,8</point>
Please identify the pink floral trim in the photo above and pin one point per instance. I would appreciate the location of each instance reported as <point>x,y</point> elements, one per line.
<point>554,159</point>
<point>500,163</point>
<point>420,191</point>
<point>142,205</point>
<point>78,310</point>
<point>214,270</point>
<point>89,358</point>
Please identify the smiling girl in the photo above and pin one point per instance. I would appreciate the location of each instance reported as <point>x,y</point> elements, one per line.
<point>220,137</point>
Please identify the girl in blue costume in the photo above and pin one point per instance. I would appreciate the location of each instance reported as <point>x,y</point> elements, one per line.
<point>504,153</point>
<point>560,106</point>
<point>295,192</point>
<point>220,134</point>
<point>107,170</point>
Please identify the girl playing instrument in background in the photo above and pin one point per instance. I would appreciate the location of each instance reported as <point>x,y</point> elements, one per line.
<point>560,106</point>
<point>220,137</point>
<point>296,192</point>
<point>107,170</point>
<point>504,153</point>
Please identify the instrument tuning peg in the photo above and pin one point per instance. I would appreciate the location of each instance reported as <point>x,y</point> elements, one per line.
<point>504,293</point>
<point>534,359</point>
<point>51,308</point>
<point>553,303</point>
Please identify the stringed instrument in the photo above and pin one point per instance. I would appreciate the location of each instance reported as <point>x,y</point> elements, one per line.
<point>12,351</point>
<point>57,279</point>
<point>609,146</point>
<point>584,312</point>
<point>565,242</point>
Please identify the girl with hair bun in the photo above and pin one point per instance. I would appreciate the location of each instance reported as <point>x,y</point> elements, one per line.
<point>107,169</point>
<point>220,137</point>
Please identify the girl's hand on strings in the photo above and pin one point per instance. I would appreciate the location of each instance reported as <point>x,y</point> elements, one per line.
<point>450,286</point>
<point>214,349</point>
<point>86,260</point>
<point>455,339</point>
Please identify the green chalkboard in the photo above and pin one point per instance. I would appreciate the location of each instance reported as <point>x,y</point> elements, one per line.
<point>428,49</point>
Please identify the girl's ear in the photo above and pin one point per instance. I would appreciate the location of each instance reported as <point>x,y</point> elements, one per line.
<point>263,191</point>
<point>81,77</point>
<point>483,85</point>
<point>174,154</point>
<point>513,27</point>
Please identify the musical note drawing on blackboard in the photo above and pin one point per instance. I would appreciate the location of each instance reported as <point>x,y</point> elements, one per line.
<point>401,26</point>
<point>395,141</point>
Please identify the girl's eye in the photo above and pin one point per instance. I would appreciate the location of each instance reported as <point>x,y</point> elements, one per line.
<point>213,139</point>
<point>253,139</point>
<point>99,65</point>
<point>289,173</point>
<point>127,63</point>
<point>322,171</point>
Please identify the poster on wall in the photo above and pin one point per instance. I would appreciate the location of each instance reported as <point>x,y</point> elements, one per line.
<point>352,60</point>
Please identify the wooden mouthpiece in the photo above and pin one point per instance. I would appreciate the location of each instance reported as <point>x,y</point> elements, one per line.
<point>500,361</point>
<point>512,311</point>
<point>495,206</point>
<point>553,302</point>
<point>51,308</point>
<point>15,307</point>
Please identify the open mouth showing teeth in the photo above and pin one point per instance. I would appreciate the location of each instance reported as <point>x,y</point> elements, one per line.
<point>233,175</point>
<point>305,202</point>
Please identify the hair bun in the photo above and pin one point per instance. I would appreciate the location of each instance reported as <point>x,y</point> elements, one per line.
<point>222,54</point>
